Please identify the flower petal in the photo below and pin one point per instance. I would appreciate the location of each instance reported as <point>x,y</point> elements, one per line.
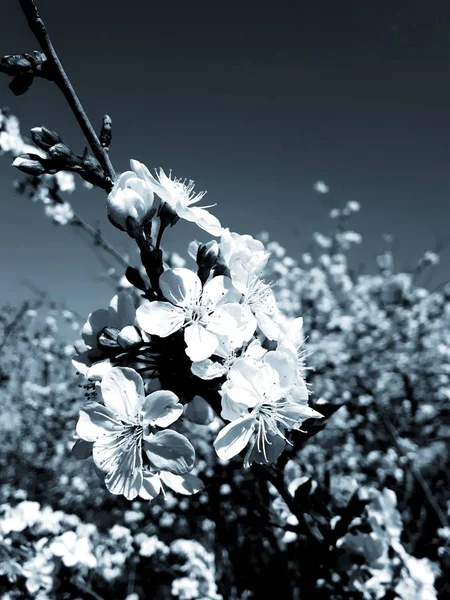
<point>160,318</point>
<point>121,311</point>
<point>96,420</point>
<point>233,438</point>
<point>207,369</point>
<point>98,369</point>
<point>199,411</point>
<point>161,408</point>
<point>151,486</point>
<point>273,448</point>
<point>170,451</point>
<point>82,449</point>
<point>286,365</point>
<point>204,219</point>
<point>200,342</point>
<point>125,480</point>
<point>232,410</point>
<point>123,392</point>
<point>180,286</point>
<point>97,320</point>
<point>220,289</point>
<point>182,484</point>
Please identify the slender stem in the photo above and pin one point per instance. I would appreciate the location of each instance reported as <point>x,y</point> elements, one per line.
<point>99,239</point>
<point>39,30</point>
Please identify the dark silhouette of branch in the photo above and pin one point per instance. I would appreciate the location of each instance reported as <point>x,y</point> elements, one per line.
<point>37,26</point>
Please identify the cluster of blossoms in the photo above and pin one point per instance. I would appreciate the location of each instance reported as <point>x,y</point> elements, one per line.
<point>209,337</point>
<point>39,546</point>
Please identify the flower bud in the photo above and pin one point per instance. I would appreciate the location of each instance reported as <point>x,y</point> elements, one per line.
<point>108,338</point>
<point>63,154</point>
<point>28,165</point>
<point>207,254</point>
<point>167,215</point>
<point>14,64</point>
<point>45,138</point>
<point>129,337</point>
<point>130,200</point>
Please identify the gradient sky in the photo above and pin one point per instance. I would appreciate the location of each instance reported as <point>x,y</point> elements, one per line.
<point>254,102</point>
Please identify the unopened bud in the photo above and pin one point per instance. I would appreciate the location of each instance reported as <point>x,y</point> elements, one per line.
<point>207,254</point>
<point>129,337</point>
<point>130,202</point>
<point>14,64</point>
<point>107,338</point>
<point>45,138</point>
<point>167,215</point>
<point>28,165</point>
<point>62,154</point>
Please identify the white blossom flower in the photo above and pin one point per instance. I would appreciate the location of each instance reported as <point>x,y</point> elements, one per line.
<point>61,213</point>
<point>20,517</point>
<point>125,426</point>
<point>321,187</point>
<point>227,355</point>
<point>262,402</point>
<point>246,258</point>
<point>120,315</point>
<point>73,550</point>
<point>204,313</point>
<point>180,196</point>
<point>131,197</point>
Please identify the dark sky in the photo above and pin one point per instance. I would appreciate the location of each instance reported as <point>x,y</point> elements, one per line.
<point>255,102</point>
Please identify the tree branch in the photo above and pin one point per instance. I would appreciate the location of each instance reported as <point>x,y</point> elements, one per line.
<point>37,26</point>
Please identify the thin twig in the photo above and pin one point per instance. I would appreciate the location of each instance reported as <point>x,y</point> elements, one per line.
<point>99,240</point>
<point>37,26</point>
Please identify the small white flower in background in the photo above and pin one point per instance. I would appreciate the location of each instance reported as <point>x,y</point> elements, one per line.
<point>38,572</point>
<point>124,426</point>
<point>179,195</point>
<point>353,206</point>
<point>19,517</point>
<point>60,213</point>
<point>321,187</point>
<point>65,181</point>
<point>185,588</point>
<point>73,550</point>
<point>322,240</point>
<point>131,197</point>
<point>204,313</point>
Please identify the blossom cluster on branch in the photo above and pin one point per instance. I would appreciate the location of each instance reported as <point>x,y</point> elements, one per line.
<point>211,337</point>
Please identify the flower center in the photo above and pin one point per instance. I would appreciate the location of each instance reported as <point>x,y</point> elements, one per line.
<point>271,421</point>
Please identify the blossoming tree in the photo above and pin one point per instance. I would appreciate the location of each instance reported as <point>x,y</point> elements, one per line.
<point>195,381</point>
